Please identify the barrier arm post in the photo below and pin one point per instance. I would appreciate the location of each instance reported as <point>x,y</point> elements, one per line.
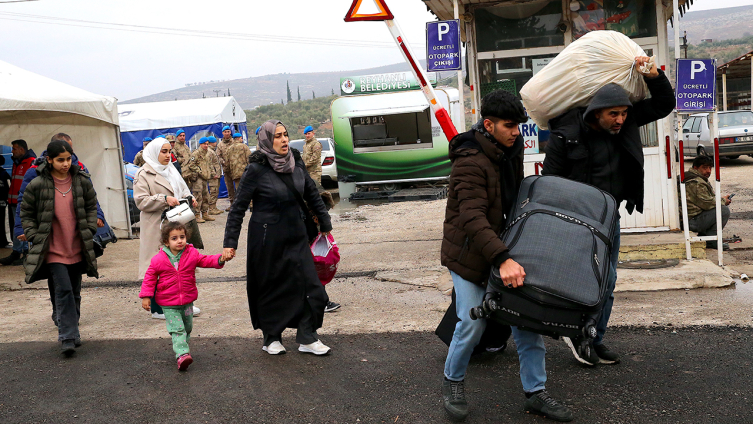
<point>718,187</point>
<point>684,194</point>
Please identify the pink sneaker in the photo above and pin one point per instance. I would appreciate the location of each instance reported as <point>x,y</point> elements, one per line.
<point>184,361</point>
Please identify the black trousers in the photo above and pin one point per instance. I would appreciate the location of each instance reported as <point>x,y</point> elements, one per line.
<point>3,237</point>
<point>67,283</point>
<point>305,333</point>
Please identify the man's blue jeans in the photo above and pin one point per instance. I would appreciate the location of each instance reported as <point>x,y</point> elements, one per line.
<point>601,326</point>
<point>20,246</point>
<point>468,332</point>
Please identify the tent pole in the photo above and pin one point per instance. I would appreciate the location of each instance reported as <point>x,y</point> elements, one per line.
<point>122,179</point>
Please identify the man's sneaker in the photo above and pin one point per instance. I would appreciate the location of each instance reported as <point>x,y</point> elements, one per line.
<point>543,404</point>
<point>184,361</point>
<point>453,397</point>
<point>584,352</point>
<point>317,348</point>
<point>67,347</point>
<point>77,342</point>
<point>8,260</point>
<point>331,306</point>
<point>274,348</point>
<point>158,316</point>
<point>605,355</point>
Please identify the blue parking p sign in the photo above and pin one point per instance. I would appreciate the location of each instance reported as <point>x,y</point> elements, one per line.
<point>696,85</point>
<point>443,46</point>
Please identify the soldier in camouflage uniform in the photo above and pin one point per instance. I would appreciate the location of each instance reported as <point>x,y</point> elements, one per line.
<point>312,155</point>
<point>200,174</point>
<point>181,150</point>
<point>138,160</point>
<point>214,182</point>
<point>235,163</point>
<point>222,148</point>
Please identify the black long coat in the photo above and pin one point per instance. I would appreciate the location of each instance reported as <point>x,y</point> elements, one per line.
<point>281,277</point>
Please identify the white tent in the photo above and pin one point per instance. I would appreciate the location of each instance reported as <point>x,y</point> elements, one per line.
<point>180,113</point>
<point>197,117</point>
<point>35,108</point>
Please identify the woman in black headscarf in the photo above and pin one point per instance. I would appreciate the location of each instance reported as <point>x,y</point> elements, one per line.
<point>282,285</point>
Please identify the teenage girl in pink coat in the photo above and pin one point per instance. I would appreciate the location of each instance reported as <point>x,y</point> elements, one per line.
<point>171,279</point>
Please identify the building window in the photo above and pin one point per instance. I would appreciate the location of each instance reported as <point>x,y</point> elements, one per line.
<point>519,26</point>
<point>634,18</point>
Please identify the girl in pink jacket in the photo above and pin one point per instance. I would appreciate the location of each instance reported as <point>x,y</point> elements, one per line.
<point>171,279</point>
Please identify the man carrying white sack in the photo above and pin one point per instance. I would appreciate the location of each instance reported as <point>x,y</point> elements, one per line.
<point>601,145</point>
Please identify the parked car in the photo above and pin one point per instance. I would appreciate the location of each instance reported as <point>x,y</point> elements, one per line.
<point>735,134</point>
<point>130,174</point>
<point>329,163</point>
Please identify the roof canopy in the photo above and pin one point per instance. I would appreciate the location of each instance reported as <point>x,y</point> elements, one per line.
<point>444,9</point>
<point>24,90</point>
<point>180,113</point>
<point>739,67</point>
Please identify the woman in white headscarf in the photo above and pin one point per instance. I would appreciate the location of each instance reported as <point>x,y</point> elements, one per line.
<point>156,187</point>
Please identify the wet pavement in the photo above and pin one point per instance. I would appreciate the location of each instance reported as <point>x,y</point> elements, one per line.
<point>690,375</point>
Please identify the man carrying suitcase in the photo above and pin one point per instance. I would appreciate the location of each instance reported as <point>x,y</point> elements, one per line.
<point>601,145</point>
<point>487,170</point>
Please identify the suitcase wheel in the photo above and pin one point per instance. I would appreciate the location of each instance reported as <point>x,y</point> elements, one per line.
<point>477,313</point>
<point>591,330</point>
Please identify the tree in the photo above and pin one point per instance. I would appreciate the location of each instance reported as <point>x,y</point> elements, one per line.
<point>299,93</point>
<point>313,95</point>
<point>282,103</point>
<point>333,91</point>
<point>290,95</point>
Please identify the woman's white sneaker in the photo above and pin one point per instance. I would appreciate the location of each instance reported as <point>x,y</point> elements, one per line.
<point>317,348</point>
<point>274,348</point>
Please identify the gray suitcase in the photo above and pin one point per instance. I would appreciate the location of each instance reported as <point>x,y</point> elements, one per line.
<point>560,232</point>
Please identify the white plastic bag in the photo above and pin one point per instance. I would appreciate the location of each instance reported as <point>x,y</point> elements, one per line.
<point>579,71</point>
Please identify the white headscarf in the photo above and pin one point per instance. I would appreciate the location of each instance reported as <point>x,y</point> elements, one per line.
<point>151,156</point>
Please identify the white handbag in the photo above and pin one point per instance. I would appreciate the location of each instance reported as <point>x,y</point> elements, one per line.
<point>181,213</point>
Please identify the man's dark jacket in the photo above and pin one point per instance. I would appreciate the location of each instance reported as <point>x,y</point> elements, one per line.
<point>483,185</point>
<point>574,145</point>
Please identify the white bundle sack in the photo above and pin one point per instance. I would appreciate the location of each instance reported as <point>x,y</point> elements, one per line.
<point>579,71</point>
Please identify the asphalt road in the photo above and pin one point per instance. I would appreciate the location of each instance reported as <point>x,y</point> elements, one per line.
<point>697,375</point>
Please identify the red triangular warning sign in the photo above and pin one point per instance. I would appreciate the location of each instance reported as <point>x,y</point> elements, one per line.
<point>354,15</point>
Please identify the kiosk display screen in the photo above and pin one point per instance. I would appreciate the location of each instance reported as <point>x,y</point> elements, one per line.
<point>392,132</point>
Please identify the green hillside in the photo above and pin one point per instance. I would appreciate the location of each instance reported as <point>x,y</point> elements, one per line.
<point>296,116</point>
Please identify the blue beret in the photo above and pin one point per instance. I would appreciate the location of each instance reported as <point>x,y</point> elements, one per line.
<point>179,132</point>
<point>308,129</point>
<point>161,136</point>
<point>226,128</point>
<point>237,135</point>
<point>203,140</point>
<point>212,139</point>
<point>257,130</point>
<point>147,139</point>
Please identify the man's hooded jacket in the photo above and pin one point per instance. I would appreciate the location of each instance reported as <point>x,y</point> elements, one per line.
<point>613,163</point>
<point>484,182</point>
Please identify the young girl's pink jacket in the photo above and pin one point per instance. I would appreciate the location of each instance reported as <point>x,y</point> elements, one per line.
<point>176,287</point>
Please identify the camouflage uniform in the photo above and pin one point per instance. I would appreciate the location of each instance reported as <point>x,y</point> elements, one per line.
<point>214,183</point>
<point>236,160</point>
<point>312,157</point>
<point>182,152</point>
<point>139,159</point>
<point>222,147</point>
<point>200,173</point>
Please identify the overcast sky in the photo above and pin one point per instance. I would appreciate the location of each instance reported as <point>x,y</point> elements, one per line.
<point>81,46</point>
